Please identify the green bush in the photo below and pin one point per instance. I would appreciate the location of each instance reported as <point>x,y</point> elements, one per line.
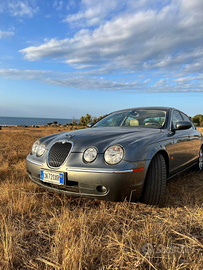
<point>84,120</point>
<point>197,119</point>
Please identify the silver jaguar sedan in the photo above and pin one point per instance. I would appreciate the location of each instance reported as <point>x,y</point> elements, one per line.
<point>130,154</point>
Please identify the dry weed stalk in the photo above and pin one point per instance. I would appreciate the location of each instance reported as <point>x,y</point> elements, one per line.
<point>43,230</point>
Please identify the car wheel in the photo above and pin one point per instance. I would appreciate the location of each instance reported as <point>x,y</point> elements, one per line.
<point>200,165</point>
<point>155,183</point>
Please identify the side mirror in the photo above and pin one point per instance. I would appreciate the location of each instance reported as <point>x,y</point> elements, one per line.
<point>183,125</point>
<point>90,124</point>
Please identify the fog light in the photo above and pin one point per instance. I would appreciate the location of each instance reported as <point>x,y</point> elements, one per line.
<point>102,189</point>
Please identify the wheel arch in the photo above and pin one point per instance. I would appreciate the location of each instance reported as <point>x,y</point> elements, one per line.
<point>165,155</point>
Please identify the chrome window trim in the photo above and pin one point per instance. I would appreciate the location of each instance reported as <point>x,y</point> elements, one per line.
<point>60,141</point>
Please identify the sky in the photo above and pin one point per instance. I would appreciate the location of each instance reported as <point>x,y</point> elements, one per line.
<point>67,58</point>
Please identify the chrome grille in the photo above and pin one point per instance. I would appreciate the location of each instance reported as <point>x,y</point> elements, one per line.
<point>58,153</point>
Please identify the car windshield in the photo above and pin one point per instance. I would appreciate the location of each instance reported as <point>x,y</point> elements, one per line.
<point>147,118</point>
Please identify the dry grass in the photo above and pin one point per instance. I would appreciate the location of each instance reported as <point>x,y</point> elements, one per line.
<point>44,230</point>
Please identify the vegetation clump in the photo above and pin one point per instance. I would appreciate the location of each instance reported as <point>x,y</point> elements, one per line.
<point>84,120</point>
<point>198,120</point>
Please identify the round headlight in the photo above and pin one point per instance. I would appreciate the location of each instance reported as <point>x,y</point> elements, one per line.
<point>114,154</point>
<point>41,149</point>
<point>90,154</point>
<point>34,147</point>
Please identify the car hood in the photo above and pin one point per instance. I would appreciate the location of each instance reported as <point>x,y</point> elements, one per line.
<point>104,137</point>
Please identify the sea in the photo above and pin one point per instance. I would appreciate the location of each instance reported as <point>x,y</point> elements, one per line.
<point>4,120</point>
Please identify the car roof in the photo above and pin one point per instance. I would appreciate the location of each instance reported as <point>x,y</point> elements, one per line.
<point>147,108</point>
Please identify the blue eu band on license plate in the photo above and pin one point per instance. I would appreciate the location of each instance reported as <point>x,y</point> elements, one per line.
<point>52,177</point>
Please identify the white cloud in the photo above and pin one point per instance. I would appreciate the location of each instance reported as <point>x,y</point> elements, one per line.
<point>163,37</point>
<point>6,57</point>
<point>71,4</point>
<point>16,74</point>
<point>6,34</point>
<point>58,5</point>
<point>152,38</point>
<point>191,68</point>
<point>93,12</point>
<point>19,8</point>
<point>187,79</point>
<point>2,6</point>
<point>78,81</point>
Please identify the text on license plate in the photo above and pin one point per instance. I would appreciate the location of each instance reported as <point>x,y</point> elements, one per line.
<point>52,177</point>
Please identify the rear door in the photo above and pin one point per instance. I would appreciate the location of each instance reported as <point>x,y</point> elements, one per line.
<point>194,140</point>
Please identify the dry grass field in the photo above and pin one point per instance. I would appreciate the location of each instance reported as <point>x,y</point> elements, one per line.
<point>44,230</point>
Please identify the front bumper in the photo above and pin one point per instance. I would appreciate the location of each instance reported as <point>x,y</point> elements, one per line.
<point>120,184</point>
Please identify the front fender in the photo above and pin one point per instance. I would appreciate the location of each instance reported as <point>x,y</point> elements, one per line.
<point>144,152</point>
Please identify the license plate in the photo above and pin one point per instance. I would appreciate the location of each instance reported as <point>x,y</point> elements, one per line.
<point>52,177</point>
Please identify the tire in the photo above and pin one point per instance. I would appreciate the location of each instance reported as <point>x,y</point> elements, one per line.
<point>155,183</point>
<point>198,167</point>
<point>200,160</point>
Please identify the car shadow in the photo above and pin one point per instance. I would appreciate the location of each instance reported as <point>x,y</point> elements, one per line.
<point>185,190</point>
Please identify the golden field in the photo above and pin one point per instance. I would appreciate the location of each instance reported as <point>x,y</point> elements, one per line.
<point>44,230</point>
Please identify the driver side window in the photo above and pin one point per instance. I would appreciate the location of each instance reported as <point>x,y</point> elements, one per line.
<point>176,117</point>
<point>186,118</point>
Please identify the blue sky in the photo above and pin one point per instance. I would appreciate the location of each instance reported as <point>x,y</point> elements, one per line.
<point>68,58</point>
